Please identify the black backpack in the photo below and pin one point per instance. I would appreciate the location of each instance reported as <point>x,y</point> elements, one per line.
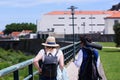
<point>90,71</point>
<point>49,65</point>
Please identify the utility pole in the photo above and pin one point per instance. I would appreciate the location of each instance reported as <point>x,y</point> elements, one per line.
<point>83,27</point>
<point>72,13</point>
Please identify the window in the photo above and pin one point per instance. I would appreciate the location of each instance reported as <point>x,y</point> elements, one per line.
<point>72,24</point>
<point>61,18</point>
<point>51,29</point>
<point>83,24</point>
<point>82,17</point>
<point>71,17</point>
<point>116,22</point>
<point>58,24</point>
<point>91,24</point>
<point>100,24</point>
<point>91,17</point>
<point>48,29</point>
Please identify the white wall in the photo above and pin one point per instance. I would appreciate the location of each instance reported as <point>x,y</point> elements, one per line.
<point>47,21</point>
<point>109,25</point>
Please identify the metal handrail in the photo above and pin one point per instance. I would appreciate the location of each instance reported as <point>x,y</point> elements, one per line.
<point>15,67</point>
<point>29,62</point>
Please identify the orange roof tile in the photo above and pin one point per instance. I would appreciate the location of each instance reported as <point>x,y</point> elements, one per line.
<point>1,33</point>
<point>115,15</point>
<point>27,31</point>
<point>80,12</point>
<point>15,34</point>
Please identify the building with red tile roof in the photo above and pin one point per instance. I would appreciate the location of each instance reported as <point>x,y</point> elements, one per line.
<point>25,32</point>
<point>114,16</point>
<point>1,33</point>
<point>84,22</point>
<point>81,12</point>
<point>110,21</point>
<point>16,34</point>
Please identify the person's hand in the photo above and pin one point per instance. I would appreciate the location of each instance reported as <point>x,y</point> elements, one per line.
<point>40,70</point>
<point>74,60</point>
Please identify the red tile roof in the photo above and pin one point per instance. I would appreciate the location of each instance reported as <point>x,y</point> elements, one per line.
<point>15,34</point>
<point>81,12</point>
<point>1,33</point>
<point>115,15</point>
<point>26,31</point>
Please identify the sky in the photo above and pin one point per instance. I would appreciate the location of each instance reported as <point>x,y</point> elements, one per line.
<point>29,11</point>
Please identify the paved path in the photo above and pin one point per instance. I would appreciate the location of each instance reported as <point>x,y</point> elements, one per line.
<point>72,71</point>
<point>101,71</point>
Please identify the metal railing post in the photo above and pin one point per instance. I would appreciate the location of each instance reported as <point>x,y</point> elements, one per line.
<point>30,68</point>
<point>16,75</point>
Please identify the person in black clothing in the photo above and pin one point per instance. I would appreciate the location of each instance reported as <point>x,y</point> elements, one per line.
<point>87,56</point>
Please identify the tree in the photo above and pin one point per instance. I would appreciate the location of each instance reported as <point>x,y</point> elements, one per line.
<point>116,29</point>
<point>115,7</point>
<point>19,27</point>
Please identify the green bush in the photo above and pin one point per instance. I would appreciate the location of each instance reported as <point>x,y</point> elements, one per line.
<point>13,57</point>
<point>116,29</point>
<point>4,64</point>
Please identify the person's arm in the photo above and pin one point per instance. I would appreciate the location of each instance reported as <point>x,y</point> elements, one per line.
<point>61,61</point>
<point>78,61</point>
<point>98,57</point>
<point>98,61</point>
<point>36,61</point>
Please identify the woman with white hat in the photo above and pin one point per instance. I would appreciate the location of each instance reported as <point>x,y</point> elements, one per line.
<point>51,49</point>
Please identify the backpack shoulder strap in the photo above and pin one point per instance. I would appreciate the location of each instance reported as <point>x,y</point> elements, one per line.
<point>51,54</point>
<point>45,51</point>
<point>56,52</point>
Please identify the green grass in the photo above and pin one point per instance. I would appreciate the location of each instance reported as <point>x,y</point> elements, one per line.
<point>110,60</point>
<point>107,44</point>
